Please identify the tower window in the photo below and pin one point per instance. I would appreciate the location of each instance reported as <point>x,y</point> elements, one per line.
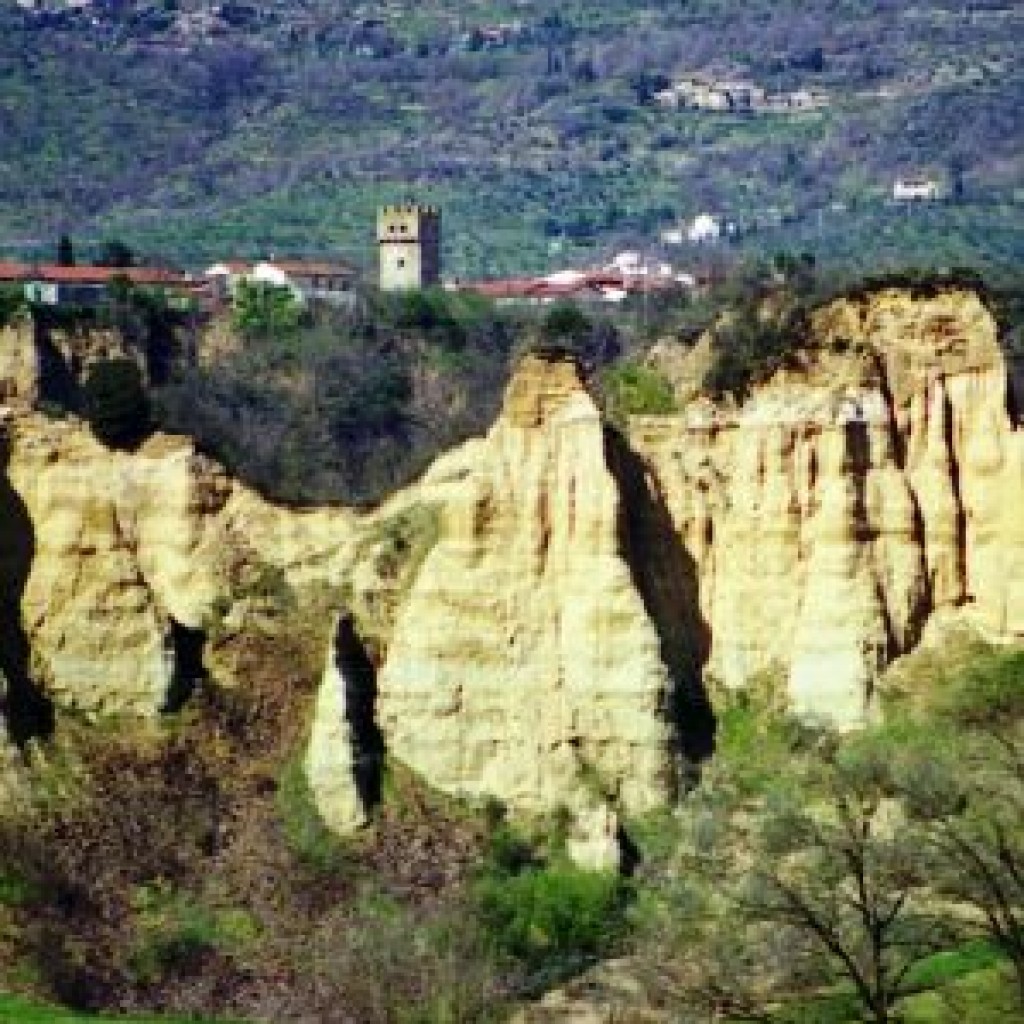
<point>401,263</point>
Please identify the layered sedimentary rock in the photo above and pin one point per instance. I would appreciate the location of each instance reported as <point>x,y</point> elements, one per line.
<point>523,655</point>
<point>523,663</point>
<point>125,545</point>
<point>851,497</point>
<point>20,370</point>
<point>534,608</point>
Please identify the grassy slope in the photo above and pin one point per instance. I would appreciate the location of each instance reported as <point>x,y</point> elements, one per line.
<point>14,1010</point>
<point>968,985</point>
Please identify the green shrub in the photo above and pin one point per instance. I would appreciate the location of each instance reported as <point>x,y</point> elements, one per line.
<point>12,302</point>
<point>174,929</point>
<point>556,917</point>
<point>632,388</point>
<point>116,403</point>
<point>15,890</point>
<point>263,310</point>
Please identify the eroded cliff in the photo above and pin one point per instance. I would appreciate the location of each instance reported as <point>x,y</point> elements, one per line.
<point>852,497</point>
<point>530,620</point>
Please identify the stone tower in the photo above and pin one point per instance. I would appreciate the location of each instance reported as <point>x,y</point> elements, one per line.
<point>409,239</point>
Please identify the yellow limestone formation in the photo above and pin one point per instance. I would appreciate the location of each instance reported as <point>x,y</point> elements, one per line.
<point>846,501</point>
<point>532,653</point>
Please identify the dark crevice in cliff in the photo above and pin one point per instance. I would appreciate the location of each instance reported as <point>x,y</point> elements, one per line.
<point>27,710</point>
<point>856,463</point>
<point>360,680</point>
<point>899,442</point>
<point>961,515</point>
<point>665,575</point>
<point>58,382</point>
<point>189,671</point>
<point>1015,390</point>
<point>926,599</point>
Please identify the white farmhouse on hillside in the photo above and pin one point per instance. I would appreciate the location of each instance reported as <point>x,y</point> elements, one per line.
<point>704,228</point>
<point>917,187</point>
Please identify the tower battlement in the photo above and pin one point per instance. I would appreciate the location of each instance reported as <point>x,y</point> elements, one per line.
<point>409,246</point>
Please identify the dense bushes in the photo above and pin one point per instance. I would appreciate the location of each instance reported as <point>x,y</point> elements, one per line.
<point>116,403</point>
<point>263,310</point>
<point>632,388</point>
<point>751,343</point>
<point>350,405</point>
<point>552,919</point>
<point>12,302</point>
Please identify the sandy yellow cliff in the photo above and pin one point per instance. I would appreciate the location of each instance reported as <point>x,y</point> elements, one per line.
<point>849,499</point>
<point>531,619</point>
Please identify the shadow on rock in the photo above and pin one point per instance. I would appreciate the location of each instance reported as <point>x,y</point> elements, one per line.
<point>665,574</point>
<point>28,712</point>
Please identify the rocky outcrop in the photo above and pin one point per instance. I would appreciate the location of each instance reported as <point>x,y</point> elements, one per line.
<point>523,656</point>
<point>20,372</point>
<point>529,620</point>
<point>851,498</point>
<point>523,663</point>
<point>127,544</point>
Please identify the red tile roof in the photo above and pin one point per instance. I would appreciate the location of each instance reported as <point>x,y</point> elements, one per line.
<point>104,275</point>
<point>10,271</point>
<point>233,266</point>
<point>302,268</point>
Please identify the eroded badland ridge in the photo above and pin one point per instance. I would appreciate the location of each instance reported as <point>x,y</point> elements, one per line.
<point>550,603</point>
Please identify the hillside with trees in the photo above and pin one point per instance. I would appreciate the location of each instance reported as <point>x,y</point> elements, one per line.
<point>201,131</point>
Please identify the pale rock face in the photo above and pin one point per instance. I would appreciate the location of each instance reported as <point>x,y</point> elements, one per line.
<point>19,366</point>
<point>124,544</point>
<point>593,840</point>
<point>330,763</point>
<point>523,656</point>
<point>848,500</point>
<point>531,648</point>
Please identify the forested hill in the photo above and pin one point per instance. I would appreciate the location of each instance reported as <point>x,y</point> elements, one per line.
<point>198,130</point>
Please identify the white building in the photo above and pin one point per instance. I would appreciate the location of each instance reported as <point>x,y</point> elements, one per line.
<point>916,187</point>
<point>704,228</point>
<point>333,283</point>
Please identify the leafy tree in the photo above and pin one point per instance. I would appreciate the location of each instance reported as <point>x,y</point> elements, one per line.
<point>115,253</point>
<point>752,343</point>
<point>645,84</point>
<point>564,324</point>
<point>263,310</point>
<point>116,403</point>
<point>12,301</point>
<point>965,779</point>
<point>65,252</point>
<point>832,882</point>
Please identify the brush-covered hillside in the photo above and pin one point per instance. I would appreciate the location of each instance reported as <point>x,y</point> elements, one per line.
<point>199,130</point>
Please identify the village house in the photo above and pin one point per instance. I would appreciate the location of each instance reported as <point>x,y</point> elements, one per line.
<point>332,282</point>
<point>704,91</point>
<point>54,285</point>
<point>917,187</point>
<point>704,228</point>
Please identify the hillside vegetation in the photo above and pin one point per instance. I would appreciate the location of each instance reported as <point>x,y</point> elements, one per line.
<point>182,867</point>
<point>274,125</point>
